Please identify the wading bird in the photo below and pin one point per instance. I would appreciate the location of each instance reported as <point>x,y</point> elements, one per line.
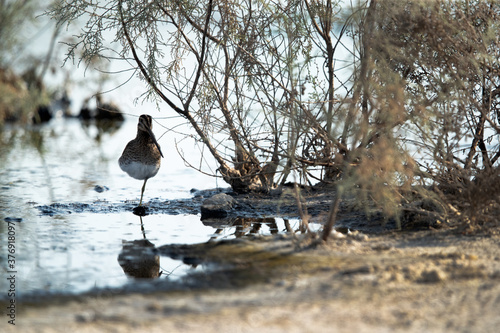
<point>141,158</point>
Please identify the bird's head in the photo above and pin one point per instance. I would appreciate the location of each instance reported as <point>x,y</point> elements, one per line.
<point>145,124</point>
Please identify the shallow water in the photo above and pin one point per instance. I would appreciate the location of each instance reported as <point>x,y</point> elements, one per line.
<point>63,162</point>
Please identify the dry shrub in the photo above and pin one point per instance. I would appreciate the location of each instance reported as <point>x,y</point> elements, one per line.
<point>446,57</point>
<point>15,102</point>
<point>481,198</point>
<point>380,177</point>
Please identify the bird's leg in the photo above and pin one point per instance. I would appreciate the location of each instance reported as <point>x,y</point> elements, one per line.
<point>142,191</point>
<point>142,228</point>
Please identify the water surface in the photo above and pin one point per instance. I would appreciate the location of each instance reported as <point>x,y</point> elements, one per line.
<point>63,162</point>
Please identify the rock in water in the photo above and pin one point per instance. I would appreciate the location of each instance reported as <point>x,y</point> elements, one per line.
<point>217,206</point>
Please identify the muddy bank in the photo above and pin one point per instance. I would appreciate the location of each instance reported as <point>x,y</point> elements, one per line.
<point>315,204</point>
<point>432,281</point>
<point>254,205</point>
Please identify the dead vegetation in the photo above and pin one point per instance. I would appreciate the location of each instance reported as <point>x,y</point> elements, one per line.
<point>407,121</point>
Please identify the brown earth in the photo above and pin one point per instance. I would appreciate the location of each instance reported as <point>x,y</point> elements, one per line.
<point>425,281</point>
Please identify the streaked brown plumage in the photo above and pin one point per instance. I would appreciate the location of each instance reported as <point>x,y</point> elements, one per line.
<point>141,158</point>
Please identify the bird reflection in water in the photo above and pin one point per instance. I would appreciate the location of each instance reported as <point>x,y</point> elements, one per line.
<point>139,258</point>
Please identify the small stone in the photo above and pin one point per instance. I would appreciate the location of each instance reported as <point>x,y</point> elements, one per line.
<point>358,235</point>
<point>85,317</point>
<point>433,276</point>
<point>217,206</point>
<point>100,189</point>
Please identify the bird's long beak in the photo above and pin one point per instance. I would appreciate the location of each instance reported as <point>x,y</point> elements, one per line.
<point>151,134</point>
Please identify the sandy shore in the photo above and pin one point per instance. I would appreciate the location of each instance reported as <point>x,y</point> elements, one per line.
<point>428,281</point>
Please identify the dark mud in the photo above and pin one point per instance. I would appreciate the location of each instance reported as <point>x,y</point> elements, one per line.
<point>314,204</point>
